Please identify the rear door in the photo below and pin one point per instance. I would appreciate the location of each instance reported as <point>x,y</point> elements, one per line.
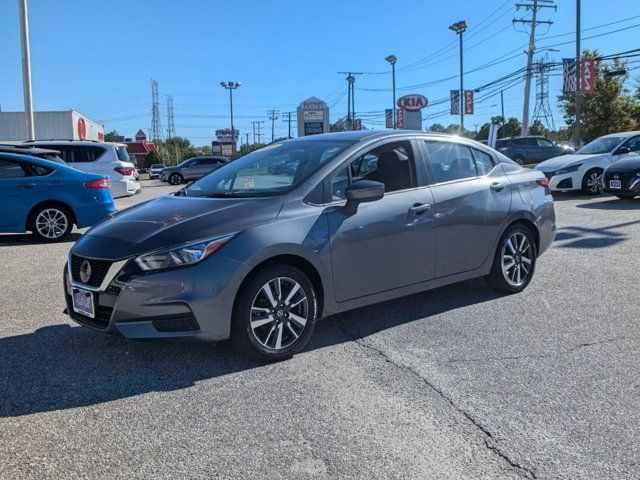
<point>547,149</point>
<point>17,193</point>
<point>389,243</point>
<point>472,200</point>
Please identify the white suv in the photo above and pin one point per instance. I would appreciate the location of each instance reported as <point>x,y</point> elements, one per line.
<point>103,158</point>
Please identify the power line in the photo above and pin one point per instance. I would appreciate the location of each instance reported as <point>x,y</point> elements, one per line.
<point>273,116</point>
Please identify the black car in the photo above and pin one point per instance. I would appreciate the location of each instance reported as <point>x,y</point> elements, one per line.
<point>531,149</point>
<point>622,178</point>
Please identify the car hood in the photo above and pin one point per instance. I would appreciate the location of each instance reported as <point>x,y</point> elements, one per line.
<point>625,165</point>
<point>567,160</point>
<point>170,221</point>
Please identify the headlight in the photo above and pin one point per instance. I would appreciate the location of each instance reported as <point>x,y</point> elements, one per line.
<point>183,255</point>
<point>570,169</point>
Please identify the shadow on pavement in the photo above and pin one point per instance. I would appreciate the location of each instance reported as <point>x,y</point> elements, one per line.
<point>613,204</point>
<point>583,237</point>
<point>60,366</point>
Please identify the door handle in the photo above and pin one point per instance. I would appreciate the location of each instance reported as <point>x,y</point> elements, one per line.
<point>497,186</point>
<point>420,208</point>
<point>27,185</point>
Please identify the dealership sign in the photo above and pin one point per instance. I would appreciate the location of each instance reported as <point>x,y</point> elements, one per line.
<point>412,102</point>
<point>313,115</point>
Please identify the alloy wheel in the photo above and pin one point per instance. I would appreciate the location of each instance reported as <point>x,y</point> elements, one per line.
<point>52,223</point>
<point>593,182</point>
<point>517,259</point>
<point>279,313</point>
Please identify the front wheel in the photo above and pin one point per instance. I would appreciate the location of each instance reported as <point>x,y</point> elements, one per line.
<point>514,262</point>
<point>592,182</point>
<point>275,314</point>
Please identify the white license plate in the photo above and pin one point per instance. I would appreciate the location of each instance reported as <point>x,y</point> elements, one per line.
<point>83,302</point>
<point>615,184</point>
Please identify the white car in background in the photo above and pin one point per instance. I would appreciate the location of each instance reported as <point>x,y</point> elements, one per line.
<point>583,169</point>
<point>103,158</point>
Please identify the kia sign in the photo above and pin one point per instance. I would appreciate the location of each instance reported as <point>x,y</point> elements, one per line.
<point>412,103</point>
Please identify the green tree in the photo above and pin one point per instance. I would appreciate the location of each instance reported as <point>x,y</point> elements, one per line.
<point>610,108</point>
<point>151,159</point>
<point>510,129</point>
<point>112,136</point>
<point>436,127</point>
<point>339,126</point>
<point>537,128</point>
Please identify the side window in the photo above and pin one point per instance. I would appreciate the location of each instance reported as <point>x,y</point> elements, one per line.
<point>86,153</point>
<point>11,169</point>
<point>65,152</point>
<point>483,160</point>
<point>633,143</point>
<point>450,161</point>
<point>391,164</point>
<point>543,142</point>
<point>39,170</point>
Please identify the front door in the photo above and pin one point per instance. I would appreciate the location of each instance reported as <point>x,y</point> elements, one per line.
<point>472,199</point>
<point>389,243</point>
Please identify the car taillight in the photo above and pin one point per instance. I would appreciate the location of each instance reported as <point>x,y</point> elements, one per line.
<point>126,171</point>
<point>545,183</point>
<point>101,183</point>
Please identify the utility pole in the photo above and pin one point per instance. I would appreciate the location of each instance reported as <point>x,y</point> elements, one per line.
<point>351,105</point>
<point>256,131</point>
<point>534,7</point>
<point>392,59</point>
<point>578,141</point>
<point>459,28</point>
<point>26,69</point>
<point>247,141</point>
<point>273,116</point>
<point>171,128</point>
<point>502,107</point>
<point>288,120</point>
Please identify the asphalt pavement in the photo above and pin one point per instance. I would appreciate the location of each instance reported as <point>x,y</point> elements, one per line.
<point>458,382</point>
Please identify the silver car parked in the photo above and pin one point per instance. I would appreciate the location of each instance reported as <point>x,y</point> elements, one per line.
<point>258,254</point>
<point>191,169</point>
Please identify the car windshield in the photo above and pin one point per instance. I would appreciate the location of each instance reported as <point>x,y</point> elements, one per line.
<point>600,145</point>
<point>270,171</point>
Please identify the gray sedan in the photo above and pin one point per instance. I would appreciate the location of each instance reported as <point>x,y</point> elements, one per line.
<point>258,254</point>
<point>191,169</point>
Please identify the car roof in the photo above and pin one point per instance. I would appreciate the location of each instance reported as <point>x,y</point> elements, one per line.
<point>30,159</point>
<point>371,134</point>
<point>26,150</point>
<point>622,134</point>
<point>53,141</point>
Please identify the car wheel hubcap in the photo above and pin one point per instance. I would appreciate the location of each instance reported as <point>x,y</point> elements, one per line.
<point>593,182</point>
<point>279,313</point>
<point>51,223</point>
<point>517,259</point>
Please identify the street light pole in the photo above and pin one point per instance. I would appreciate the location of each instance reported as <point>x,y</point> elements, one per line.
<point>392,59</point>
<point>231,86</point>
<point>459,28</point>
<point>26,69</point>
<point>578,54</point>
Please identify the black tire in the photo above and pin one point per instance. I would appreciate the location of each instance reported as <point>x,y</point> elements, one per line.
<point>519,159</point>
<point>590,176</point>
<point>51,223</point>
<point>625,196</point>
<point>501,281</point>
<point>250,340</point>
<point>176,179</point>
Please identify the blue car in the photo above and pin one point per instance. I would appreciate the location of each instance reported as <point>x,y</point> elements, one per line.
<point>48,198</point>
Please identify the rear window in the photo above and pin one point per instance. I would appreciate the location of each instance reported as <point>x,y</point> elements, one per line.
<point>157,165</point>
<point>122,153</point>
<point>39,170</point>
<point>501,143</point>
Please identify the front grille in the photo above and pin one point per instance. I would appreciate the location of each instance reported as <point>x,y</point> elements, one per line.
<point>176,323</point>
<point>99,269</point>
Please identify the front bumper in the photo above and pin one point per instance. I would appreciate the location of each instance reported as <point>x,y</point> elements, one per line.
<point>629,183</point>
<point>124,187</point>
<point>194,301</point>
<point>565,182</point>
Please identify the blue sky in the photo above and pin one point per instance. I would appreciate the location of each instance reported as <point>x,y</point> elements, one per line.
<point>98,57</point>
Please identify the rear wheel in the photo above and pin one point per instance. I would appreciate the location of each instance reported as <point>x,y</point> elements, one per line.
<point>591,182</point>
<point>51,223</point>
<point>519,159</point>
<point>275,314</point>
<point>514,262</point>
<point>176,179</point>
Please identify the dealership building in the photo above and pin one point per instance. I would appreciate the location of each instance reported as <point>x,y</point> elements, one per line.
<point>67,125</point>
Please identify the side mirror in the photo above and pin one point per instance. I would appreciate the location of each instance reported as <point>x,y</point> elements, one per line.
<point>622,151</point>
<point>364,191</point>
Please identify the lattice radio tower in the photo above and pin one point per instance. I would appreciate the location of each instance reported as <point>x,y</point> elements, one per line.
<point>156,124</point>
<point>542,110</point>
<point>171,126</point>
